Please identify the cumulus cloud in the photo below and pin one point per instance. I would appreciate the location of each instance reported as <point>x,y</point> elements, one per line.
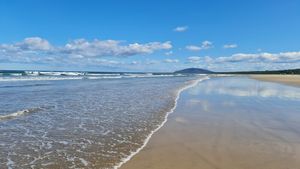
<point>230,46</point>
<point>36,49</point>
<point>28,44</point>
<point>169,53</point>
<point>198,59</point>
<point>194,59</point>
<point>193,48</point>
<point>283,57</point>
<point>171,60</point>
<point>181,29</point>
<point>34,43</point>
<point>248,61</point>
<point>106,62</point>
<point>99,48</point>
<point>204,45</point>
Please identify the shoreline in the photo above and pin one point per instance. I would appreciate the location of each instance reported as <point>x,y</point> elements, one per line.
<point>192,84</point>
<point>199,136</point>
<point>292,80</point>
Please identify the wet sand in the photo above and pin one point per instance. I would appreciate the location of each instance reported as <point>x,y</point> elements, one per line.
<point>228,123</point>
<point>293,80</point>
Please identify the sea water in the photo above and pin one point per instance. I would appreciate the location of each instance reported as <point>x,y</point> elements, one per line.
<point>81,121</point>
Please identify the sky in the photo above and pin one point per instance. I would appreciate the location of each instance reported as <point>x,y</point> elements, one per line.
<point>156,35</point>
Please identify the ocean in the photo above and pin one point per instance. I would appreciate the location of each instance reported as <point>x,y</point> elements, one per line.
<point>82,119</point>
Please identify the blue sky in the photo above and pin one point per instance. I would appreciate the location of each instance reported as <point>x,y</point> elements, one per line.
<point>149,35</point>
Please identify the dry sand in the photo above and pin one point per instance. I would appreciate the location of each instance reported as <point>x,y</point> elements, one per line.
<point>223,132</point>
<point>293,80</point>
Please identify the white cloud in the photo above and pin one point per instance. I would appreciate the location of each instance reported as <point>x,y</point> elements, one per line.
<point>193,48</point>
<point>194,59</point>
<point>36,49</point>
<point>35,43</point>
<point>181,29</point>
<point>204,45</point>
<point>152,62</point>
<point>28,44</point>
<point>198,59</point>
<point>134,62</point>
<point>230,46</point>
<point>283,57</point>
<point>171,60</point>
<point>104,61</point>
<point>99,48</point>
<point>249,61</point>
<point>169,53</point>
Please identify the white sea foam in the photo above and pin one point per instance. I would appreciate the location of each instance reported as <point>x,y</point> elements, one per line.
<point>84,162</point>
<point>18,113</point>
<point>36,78</point>
<point>192,84</point>
<point>10,163</point>
<point>103,77</point>
<point>103,74</point>
<point>49,76</point>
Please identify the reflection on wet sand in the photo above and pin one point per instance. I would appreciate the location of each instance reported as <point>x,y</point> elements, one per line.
<point>246,87</point>
<point>228,123</point>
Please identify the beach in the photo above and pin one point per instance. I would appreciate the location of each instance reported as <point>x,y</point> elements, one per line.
<point>149,84</point>
<point>229,123</point>
<point>293,80</point>
<point>159,121</point>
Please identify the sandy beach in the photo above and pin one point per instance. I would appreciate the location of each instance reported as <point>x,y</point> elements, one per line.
<point>293,80</point>
<point>229,123</point>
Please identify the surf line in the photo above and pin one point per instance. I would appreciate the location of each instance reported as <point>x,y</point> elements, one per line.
<point>179,91</point>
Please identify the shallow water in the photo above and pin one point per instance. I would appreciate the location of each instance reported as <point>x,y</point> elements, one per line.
<point>80,123</point>
<point>228,123</point>
<point>244,123</point>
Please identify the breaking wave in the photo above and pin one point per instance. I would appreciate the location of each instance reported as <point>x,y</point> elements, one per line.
<point>55,75</point>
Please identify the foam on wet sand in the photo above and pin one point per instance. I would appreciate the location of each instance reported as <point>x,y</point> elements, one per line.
<point>215,126</point>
